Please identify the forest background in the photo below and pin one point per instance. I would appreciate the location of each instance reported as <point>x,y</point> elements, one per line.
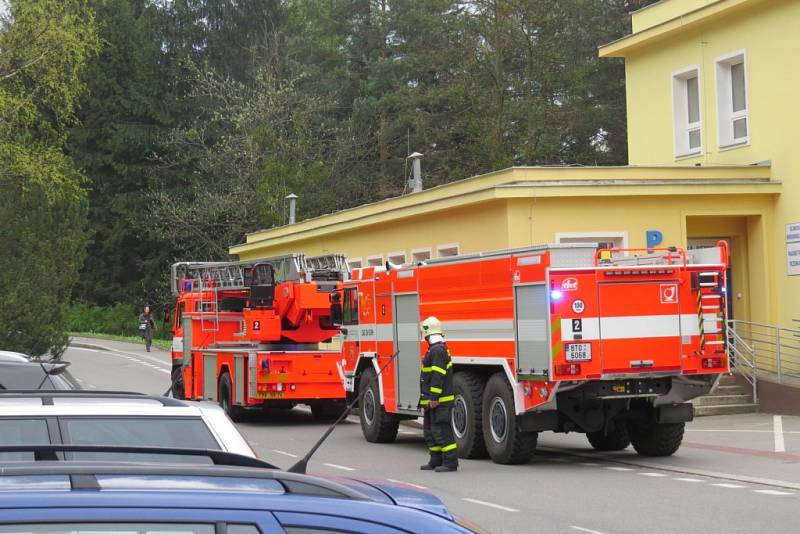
<point>136,133</point>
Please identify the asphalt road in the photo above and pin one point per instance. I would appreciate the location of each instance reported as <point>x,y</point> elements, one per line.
<point>734,474</point>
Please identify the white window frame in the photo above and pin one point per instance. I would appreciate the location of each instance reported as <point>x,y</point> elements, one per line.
<point>415,251</point>
<point>680,109</point>
<point>725,114</point>
<point>394,256</point>
<point>592,237</point>
<point>371,259</point>
<point>448,246</point>
<point>353,261</point>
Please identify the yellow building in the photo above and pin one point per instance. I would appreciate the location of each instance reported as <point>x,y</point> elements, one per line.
<point>710,121</point>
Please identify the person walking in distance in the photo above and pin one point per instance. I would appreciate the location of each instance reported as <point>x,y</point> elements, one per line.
<point>436,399</point>
<point>146,326</point>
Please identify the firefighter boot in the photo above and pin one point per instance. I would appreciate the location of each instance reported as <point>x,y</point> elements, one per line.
<point>434,463</point>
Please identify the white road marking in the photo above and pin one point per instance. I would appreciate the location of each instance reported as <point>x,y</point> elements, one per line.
<point>289,454</point>
<point>740,430</point>
<point>589,464</point>
<point>688,479</point>
<point>730,486</point>
<point>582,529</point>
<point>620,468</point>
<point>774,492</point>
<point>83,349</point>
<point>652,474</point>
<point>407,432</point>
<point>407,483</point>
<point>490,504</point>
<point>777,427</point>
<point>342,467</point>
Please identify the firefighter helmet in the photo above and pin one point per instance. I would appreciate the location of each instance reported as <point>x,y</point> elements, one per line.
<point>431,326</point>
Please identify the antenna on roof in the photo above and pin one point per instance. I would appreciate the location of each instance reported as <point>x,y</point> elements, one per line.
<point>302,464</point>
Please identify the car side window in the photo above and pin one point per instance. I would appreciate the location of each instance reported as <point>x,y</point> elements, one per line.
<point>22,432</point>
<point>350,306</point>
<point>138,431</point>
<point>300,523</point>
<point>109,528</point>
<point>242,529</point>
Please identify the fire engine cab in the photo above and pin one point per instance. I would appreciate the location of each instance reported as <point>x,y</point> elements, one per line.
<point>570,338</point>
<point>248,334</point>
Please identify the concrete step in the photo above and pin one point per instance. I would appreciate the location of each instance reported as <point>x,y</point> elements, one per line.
<point>723,400</point>
<point>732,390</point>
<point>728,380</point>
<point>729,409</point>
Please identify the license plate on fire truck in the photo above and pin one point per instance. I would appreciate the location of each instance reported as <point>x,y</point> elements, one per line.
<point>579,352</point>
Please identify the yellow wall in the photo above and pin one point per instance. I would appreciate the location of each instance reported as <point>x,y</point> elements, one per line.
<point>768,34</point>
<point>475,227</point>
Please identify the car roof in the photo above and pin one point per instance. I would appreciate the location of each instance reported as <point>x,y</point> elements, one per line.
<point>11,356</point>
<point>99,485</point>
<point>88,402</point>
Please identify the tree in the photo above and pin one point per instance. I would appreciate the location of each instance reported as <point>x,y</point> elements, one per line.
<point>44,47</point>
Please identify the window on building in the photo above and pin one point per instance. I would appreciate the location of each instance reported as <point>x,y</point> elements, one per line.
<point>732,114</point>
<point>397,258</point>
<point>451,249</point>
<point>375,261</point>
<point>354,263</point>
<point>603,239</point>
<point>420,254</point>
<point>687,125</point>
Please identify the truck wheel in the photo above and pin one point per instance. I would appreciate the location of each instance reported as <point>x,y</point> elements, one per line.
<point>177,383</point>
<point>467,419</point>
<point>616,440</point>
<point>376,425</point>
<point>505,443</point>
<point>225,396</point>
<point>652,439</point>
<point>327,411</point>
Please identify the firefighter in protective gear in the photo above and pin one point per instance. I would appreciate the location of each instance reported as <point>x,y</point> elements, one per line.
<point>436,399</point>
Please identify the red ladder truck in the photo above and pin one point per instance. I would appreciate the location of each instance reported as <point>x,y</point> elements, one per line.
<point>248,334</point>
<point>611,343</point>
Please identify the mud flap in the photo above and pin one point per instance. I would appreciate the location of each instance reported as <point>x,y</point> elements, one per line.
<point>675,413</point>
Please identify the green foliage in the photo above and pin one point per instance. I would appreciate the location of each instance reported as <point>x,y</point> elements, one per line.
<point>116,320</point>
<point>44,46</point>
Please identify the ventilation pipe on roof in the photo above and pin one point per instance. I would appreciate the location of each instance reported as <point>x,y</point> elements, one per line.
<point>292,198</point>
<point>415,183</point>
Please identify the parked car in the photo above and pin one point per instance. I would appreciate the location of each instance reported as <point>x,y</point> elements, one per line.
<point>237,495</point>
<point>11,356</point>
<point>114,419</point>
<point>17,372</point>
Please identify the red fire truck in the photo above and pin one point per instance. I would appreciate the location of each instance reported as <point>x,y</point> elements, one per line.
<point>612,343</point>
<point>248,334</point>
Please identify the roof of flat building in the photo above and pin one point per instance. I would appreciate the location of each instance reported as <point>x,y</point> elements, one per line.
<point>668,18</point>
<point>527,182</point>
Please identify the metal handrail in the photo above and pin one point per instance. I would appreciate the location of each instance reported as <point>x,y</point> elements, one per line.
<point>778,346</point>
<point>744,358</point>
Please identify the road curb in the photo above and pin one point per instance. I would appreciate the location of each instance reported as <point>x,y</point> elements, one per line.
<point>84,345</point>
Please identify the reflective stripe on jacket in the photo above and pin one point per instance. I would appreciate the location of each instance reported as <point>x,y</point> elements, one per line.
<point>436,377</point>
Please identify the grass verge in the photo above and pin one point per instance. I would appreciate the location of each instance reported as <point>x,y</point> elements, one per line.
<point>160,343</point>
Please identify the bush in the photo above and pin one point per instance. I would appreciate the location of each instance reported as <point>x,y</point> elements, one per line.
<point>118,320</point>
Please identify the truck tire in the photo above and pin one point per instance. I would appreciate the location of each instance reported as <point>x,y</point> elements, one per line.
<point>225,396</point>
<point>504,441</point>
<point>652,439</point>
<point>467,414</point>
<point>376,425</point>
<point>327,410</point>
<point>616,440</point>
<point>177,383</point>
